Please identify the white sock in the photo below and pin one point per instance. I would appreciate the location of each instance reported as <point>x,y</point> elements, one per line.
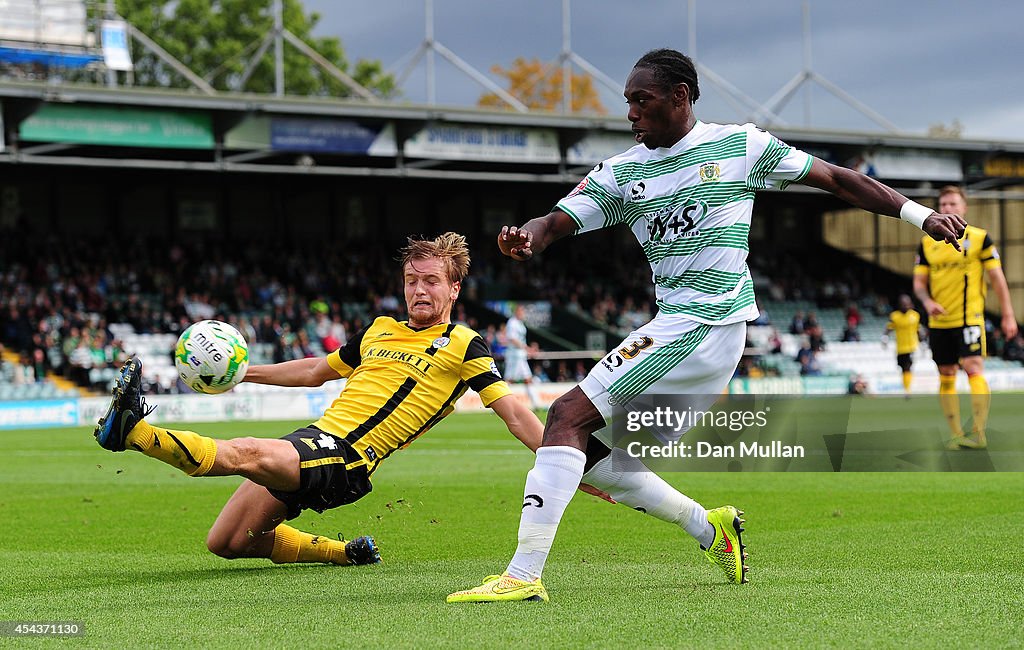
<point>631,483</point>
<point>550,486</point>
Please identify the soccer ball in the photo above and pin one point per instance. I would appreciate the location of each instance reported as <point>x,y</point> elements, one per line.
<point>211,357</point>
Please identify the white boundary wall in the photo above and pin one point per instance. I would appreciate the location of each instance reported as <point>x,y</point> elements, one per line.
<point>262,404</point>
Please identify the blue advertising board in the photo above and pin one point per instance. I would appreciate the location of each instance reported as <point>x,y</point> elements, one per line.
<point>328,136</point>
<point>38,414</point>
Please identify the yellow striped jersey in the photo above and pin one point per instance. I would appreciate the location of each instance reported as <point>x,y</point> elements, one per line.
<point>956,279</point>
<point>402,381</point>
<point>905,324</point>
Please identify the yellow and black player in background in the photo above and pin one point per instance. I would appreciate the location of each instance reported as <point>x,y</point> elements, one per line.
<point>951,286</point>
<point>906,324</point>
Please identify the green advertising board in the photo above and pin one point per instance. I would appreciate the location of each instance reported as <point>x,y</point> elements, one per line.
<point>122,127</point>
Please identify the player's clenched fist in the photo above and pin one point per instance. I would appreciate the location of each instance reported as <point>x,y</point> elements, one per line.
<point>516,242</point>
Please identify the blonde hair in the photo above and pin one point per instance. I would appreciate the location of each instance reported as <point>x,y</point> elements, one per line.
<point>450,247</point>
<point>953,189</point>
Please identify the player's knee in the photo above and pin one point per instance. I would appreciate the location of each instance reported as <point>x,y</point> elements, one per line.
<point>219,543</point>
<point>228,544</point>
<point>571,419</point>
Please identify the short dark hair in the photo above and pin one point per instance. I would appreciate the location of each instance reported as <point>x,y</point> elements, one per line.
<point>671,67</point>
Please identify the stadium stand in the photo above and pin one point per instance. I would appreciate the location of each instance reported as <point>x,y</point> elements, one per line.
<point>79,318</point>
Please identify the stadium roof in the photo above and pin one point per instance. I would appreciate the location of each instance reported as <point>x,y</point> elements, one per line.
<point>550,147</point>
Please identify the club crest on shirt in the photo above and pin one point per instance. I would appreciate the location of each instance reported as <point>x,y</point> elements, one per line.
<point>710,172</point>
<point>440,342</point>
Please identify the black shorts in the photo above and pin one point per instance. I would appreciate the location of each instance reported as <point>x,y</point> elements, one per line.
<point>949,345</point>
<point>904,361</point>
<point>331,473</point>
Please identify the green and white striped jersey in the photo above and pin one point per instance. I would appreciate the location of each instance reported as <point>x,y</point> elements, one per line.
<point>689,206</point>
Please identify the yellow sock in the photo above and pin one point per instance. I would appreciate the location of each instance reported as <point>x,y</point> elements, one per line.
<point>981,399</point>
<point>950,403</point>
<point>190,452</point>
<point>292,545</point>
<point>907,376</point>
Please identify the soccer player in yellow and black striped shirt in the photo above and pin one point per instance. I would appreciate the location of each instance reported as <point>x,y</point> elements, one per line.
<point>951,285</point>
<point>402,379</point>
<point>905,322</point>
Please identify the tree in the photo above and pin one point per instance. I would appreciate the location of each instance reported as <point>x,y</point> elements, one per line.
<point>217,38</point>
<point>538,86</point>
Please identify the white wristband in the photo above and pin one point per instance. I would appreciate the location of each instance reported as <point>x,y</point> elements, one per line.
<point>915,213</point>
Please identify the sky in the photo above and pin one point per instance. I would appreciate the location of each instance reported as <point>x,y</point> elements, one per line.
<point>917,63</point>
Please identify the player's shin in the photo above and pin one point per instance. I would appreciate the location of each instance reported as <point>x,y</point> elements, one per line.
<point>291,545</point>
<point>631,483</point>
<point>950,402</point>
<point>188,451</point>
<point>981,399</point>
<point>550,486</point>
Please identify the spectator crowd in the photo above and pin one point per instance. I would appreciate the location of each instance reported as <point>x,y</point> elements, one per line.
<point>59,297</point>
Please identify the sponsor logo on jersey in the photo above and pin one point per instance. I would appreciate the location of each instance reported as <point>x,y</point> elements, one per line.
<point>710,172</point>
<point>414,362</point>
<point>671,222</point>
<point>371,454</point>
<point>636,192</point>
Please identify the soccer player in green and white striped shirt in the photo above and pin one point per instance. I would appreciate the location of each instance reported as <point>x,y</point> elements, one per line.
<point>686,190</point>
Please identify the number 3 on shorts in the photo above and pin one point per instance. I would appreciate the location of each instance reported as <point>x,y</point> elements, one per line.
<point>630,351</point>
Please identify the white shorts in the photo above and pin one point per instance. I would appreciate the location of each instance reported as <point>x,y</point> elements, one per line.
<point>668,356</point>
<point>516,366</point>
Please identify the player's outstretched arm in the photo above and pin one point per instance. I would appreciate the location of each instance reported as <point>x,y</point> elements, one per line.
<point>520,243</point>
<point>311,372</point>
<point>526,426</point>
<point>868,194</point>
<point>520,420</point>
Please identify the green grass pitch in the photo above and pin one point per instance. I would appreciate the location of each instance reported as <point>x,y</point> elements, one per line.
<point>117,541</point>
